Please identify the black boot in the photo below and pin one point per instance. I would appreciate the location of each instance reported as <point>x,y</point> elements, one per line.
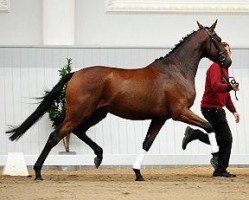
<point>224,173</point>
<point>188,137</point>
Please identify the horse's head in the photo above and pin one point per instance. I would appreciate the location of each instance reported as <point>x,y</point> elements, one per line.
<point>214,49</point>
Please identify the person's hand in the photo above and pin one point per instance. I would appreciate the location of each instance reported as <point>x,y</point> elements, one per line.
<point>237,117</point>
<point>235,86</point>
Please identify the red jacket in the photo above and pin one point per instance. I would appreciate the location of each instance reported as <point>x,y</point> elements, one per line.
<point>216,94</point>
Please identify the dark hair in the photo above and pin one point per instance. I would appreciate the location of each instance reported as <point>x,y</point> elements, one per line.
<point>225,44</point>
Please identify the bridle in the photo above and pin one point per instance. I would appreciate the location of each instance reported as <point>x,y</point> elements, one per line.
<point>229,80</point>
<point>220,52</point>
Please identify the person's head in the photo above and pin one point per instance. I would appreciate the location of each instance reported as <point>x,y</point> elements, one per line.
<point>227,47</point>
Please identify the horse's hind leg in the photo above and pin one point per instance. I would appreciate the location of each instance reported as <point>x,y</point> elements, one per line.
<point>155,127</point>
<point>80,132</point>
<point>54,138</point>
<point>95,147</point>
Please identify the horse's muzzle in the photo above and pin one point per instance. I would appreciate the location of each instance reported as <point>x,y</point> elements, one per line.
<point>227,63</point>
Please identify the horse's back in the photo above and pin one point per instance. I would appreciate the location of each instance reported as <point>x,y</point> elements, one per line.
<point>118,90</point>
<point>100,81</point>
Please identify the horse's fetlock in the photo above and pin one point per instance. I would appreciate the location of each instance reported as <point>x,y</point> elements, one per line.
<point>36,168</point>
<point>99,152</point>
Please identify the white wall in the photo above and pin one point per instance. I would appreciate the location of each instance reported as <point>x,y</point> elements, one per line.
<point>94,27</point>
<point>26,72</point>
<point>23,24</point>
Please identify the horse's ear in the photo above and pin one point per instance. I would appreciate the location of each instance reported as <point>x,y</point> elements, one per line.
<point>200,26</point>
<point>213,26</point>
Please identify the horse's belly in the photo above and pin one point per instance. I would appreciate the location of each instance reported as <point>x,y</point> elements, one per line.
<point>137,112</point>
<point>133,102</point>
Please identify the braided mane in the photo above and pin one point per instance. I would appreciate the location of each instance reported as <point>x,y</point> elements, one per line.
<point>176,46</point>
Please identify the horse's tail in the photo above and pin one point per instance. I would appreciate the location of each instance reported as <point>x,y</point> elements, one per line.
<point>47,100</point>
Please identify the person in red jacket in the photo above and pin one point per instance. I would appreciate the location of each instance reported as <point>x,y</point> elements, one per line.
<point>215,97</point>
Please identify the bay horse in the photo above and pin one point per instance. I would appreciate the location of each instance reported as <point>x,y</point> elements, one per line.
<point>162,90</point>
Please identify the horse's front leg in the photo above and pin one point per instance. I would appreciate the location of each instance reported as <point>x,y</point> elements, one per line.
<point>187,116</point>
<point>155,126</point>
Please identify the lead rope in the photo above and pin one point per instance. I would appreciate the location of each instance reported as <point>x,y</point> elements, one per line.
<point>228,81</point>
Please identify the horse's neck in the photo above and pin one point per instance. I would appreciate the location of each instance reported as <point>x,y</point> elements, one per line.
<point>188,58</point>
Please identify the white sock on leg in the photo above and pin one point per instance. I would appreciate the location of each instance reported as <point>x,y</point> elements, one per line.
<point>213,143</point>
<point>137,164</point>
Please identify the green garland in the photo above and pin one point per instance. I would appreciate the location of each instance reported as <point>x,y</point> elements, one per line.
<point>58,108</point>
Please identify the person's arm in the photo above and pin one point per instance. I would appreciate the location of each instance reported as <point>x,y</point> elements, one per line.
<point>216,83</point>
<point>230,106</point>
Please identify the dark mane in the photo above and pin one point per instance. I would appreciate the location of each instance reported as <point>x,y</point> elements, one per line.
<point>176,46</point>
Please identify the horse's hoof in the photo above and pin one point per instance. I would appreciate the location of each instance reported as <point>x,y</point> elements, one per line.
<point>38,178</point>
<point>139,179</point>
<point>97,162</point>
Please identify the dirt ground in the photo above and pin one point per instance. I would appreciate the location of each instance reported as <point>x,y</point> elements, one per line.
<point>169,183</point>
